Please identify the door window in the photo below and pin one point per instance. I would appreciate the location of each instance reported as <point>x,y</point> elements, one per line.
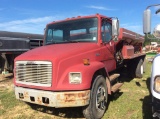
<point>106,30</point>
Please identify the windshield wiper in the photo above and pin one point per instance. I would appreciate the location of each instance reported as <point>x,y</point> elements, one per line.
<point>71,41</point>
<point>81,40</point>
<point>51,43</point>
<point>68,41</point>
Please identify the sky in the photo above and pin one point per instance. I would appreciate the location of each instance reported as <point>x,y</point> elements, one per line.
<point>31,16</point>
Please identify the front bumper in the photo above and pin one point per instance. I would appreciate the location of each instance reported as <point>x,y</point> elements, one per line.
<point>53,99</point>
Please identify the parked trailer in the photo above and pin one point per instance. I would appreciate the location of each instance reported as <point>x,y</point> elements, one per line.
<point>13,44</point>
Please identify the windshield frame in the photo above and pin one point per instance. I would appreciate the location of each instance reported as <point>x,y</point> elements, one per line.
<point>91,19</point>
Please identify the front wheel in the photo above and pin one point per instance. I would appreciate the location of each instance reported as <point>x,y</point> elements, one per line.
<point>98,99</point>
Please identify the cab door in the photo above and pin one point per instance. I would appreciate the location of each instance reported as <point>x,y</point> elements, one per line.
<point>108,45</point>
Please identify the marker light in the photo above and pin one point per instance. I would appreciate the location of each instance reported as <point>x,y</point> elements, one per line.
<point>86,62</point>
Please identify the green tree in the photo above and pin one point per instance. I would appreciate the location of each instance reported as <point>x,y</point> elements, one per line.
<point>150,38</point>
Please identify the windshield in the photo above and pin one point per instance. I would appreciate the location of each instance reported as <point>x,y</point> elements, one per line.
<point>81,30</point>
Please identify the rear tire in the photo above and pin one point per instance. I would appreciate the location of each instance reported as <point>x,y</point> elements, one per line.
<point>98,99</point>
<point>131,69</point>
<point>139,69</point>
<point>136,68</point>
<point>144,65</point>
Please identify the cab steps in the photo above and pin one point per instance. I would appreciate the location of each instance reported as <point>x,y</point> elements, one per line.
<point>113,77</point>
<point>116,85</point>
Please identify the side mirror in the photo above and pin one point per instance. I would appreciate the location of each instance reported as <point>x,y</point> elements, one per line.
<point>147,21</point>
<point>115,27</point>
<point>157,11</point>
<point>44,31</point>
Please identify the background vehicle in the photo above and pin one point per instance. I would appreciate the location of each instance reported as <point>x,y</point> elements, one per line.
<point>13,44</point>
<point>155,71</point>
<point>79,64</point>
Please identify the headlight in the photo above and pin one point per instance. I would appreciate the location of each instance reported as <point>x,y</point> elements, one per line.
<point>157,84</point>
<point>75,78</point>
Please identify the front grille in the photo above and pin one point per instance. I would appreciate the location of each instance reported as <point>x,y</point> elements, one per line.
<point>37,73</point>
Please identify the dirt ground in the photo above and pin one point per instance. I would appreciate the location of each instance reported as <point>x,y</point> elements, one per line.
<point>6,81</point>
<point>30,110</point>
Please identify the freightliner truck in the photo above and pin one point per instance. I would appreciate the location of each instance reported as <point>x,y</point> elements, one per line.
<point>79,64</point>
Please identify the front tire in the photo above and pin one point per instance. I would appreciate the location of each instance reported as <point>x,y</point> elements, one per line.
<point>98,99</point>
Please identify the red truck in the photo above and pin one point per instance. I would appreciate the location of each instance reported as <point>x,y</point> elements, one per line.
<point>79,64</point>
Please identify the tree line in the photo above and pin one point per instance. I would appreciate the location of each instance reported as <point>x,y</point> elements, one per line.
<point>150,38</point>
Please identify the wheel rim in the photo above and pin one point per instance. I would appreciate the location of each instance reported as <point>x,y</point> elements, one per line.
<point>141,69</point>
<point>100,98</point>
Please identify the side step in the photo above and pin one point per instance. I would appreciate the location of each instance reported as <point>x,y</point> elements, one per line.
<point>116,87</point>
<point>114,76</point>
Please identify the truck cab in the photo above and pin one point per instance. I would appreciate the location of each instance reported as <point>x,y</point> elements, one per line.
<point>78,64</point>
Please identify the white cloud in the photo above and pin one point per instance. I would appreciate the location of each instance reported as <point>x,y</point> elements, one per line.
<point>32,25</point>
<point>156,7</point>
<point>99,7</point>
<point>27,21</point>
<point>133,27</point>
<point>37,25</point>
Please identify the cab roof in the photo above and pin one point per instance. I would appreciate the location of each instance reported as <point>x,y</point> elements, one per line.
<point>79,17</point>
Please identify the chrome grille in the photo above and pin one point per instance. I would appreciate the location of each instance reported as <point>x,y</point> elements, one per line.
<point>38,73</point>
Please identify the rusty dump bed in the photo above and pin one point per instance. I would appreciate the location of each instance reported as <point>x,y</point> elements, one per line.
<point>130,36</point>
<point>131,44</point>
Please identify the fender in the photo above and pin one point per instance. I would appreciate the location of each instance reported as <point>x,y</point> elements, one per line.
<point>87,72</point>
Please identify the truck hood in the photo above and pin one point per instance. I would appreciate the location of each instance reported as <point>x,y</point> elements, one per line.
<point>51,52</point>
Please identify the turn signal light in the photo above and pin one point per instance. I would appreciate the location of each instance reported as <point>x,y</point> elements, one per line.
<point>86,62</point>
<point>157,84</point>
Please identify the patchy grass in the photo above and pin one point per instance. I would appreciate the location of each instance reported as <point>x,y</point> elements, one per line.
<point>133,101</point>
